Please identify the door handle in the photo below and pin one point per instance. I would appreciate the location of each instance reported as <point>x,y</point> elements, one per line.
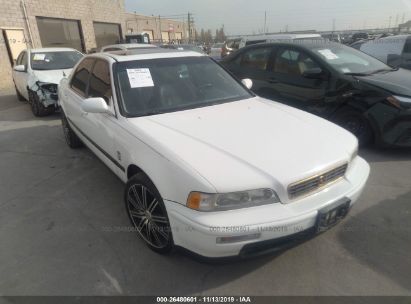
<point>84,113</point>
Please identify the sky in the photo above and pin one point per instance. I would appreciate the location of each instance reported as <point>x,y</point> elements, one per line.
<point>247,17</point>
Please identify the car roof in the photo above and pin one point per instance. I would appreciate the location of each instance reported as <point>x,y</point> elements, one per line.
<point>46,50</point>
<point>130,45</point>
<point>282,36</point>
<point>144,54</point>
<point>308,44</point>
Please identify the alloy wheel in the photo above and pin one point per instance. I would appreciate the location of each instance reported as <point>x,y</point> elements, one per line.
<point>147,216</point>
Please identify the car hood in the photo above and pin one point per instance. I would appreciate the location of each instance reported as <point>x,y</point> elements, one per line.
<point>249,143</point>
<point>396,82</point>
<point>51,76</point>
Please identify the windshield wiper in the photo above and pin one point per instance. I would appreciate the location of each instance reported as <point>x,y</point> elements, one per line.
<point>149,113</point>
<point>358,74</point>
<point>372,72</point>
<point>384,70</point>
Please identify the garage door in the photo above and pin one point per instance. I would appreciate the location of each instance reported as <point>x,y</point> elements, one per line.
<point>60,33</point>
<point>15,41</point>
<point>107,33</point>
<point>165,36</point>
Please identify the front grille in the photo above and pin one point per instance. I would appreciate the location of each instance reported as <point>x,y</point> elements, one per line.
<point>314,183</point>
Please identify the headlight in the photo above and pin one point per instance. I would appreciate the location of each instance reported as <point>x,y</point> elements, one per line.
<point>49,87</point>
<point>228,201</point>
<point>403,99</point>
<point>399,101</point>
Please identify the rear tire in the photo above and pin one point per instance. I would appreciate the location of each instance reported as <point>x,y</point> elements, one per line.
<point>354,121</point>
<point>38,109</point>
<point>148,213</point>
<point>72,140</point>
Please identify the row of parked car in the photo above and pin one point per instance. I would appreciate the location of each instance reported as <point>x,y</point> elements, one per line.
<point>359,92</point>
<point>213,157</point>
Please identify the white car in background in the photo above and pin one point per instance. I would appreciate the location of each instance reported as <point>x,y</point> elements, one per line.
<point>216,51</point>
<point>38,72</point>
<point>208,165</point>
<point>127,47</point>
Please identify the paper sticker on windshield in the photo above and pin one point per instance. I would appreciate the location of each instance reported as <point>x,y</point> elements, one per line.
<point>39,57</point>
<point>328,54</point>
<point>140,78</point>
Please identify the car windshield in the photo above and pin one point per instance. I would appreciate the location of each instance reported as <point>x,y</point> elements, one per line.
<point>54,60</point>
<point>350,61</point>
<point>155,86</point>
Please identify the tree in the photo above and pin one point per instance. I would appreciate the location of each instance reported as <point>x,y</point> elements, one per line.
<point>202,36</point>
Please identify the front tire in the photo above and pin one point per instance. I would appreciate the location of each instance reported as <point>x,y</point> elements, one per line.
<point>38,109</point>
<point>148,213</point>
<point>72,140</point>
<point>354,121</point>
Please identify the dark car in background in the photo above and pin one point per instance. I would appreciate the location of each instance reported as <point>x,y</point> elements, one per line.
<point>339,83</point>
<point>359,36</point>
<point>359,43</point>
<point>230,47</point>
<point>394,50</point>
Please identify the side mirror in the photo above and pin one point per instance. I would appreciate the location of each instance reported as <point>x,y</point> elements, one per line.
<point>94,105</point>
<point>394,60</point>
<point>20,68</point>
<point>314,73</point>
<point>248,83</point>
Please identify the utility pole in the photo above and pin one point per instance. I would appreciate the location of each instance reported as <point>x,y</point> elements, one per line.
<point>397,20</point>
<point>389,23</point>
<point>333,25</point>
<point>265,22</point>
<point>189,27</point>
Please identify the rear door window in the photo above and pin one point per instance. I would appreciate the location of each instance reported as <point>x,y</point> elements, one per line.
<point>293,62</point>
<point>79,82</point>
<point>257,58</point>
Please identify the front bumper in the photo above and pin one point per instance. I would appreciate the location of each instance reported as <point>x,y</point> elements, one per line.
<point>45,97</point>
<point>393,125</point>
<point>198,231</point>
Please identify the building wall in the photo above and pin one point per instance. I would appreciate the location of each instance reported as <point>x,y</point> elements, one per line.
<point>11,15</point>
<point>136,23</point>
<point>87,11</point>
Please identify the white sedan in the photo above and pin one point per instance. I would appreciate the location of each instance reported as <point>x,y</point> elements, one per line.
<point>208,165</point>
<point>37,74</point>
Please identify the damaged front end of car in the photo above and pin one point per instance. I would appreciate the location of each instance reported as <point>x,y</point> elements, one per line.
<point>393,120</point>
<point>46,93</point>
